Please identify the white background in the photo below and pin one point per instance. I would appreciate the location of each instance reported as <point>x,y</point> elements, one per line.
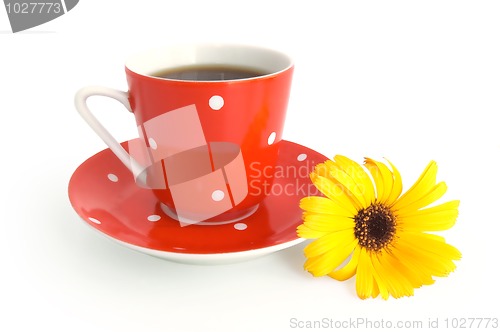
<point>407,80</point>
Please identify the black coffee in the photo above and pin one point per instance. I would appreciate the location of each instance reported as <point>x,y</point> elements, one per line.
<point>209,73</point>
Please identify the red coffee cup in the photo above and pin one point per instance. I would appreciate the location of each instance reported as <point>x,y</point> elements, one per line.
<point>208,143</point>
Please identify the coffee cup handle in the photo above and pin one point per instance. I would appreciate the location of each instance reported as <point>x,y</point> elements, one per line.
<point>81,105</point>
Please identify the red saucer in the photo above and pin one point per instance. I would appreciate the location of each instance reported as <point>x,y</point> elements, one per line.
<point>103,192</point>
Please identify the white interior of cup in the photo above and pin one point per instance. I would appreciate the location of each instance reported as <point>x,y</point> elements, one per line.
<point>263,59</point>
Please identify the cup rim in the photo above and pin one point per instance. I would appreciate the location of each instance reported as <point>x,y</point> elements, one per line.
<point>146,62</point>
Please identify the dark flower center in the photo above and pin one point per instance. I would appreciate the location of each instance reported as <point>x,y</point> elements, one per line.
<point>375,227</point>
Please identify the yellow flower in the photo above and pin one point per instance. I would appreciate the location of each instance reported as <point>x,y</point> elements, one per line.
<point>363,226</point>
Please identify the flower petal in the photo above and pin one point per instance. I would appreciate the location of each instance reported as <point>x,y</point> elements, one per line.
<point>348,270</point>
<point>380,277</point>
<point>333,191</point>
<point>385,179</point>
<point>327,223</point>
<point>307,233</point>
<point>380,282</point>
<point>399,284</point>
<point>323,264</point>
<point>447,206</point>
<point>397,185</point>
<point>432,243</point>
<point>360,178</point>
<point>375,290</point>
<point>323,169</point>
<point>364,275</point>
<point>349,186</point>
<point>431,196</point>
<point>429,262</point>
<point>377,176</point>
<point>431,251</point>
<point>425,183</point>
<point>437,218</point>
<point>329,242</point>
<point>323,205</point>
<point>408,254</point>
<point>413,266</point>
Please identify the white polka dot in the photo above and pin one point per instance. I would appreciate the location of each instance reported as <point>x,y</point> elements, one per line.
<point>302,157</point>
<point>216,102</point>
<point>218,195</point>
<point>112,177</point>
<point>154,217</point>
<point>271,138</point>
<point>95,221</point>
<point>240,226</point>
<point>152,143</point>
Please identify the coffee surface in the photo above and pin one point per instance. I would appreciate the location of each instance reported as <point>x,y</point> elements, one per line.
<point>208,73</point>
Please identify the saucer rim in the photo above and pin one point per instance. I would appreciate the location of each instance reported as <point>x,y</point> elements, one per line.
<point>202,259</point>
